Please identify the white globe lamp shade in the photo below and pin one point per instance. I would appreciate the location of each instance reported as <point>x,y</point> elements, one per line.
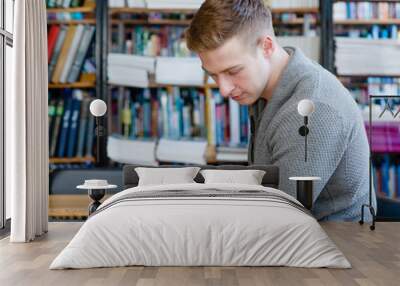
<point>98,107</point>
<point>305,107</point>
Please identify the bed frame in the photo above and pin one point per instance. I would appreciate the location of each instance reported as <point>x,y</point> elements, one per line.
<point>66,202</point>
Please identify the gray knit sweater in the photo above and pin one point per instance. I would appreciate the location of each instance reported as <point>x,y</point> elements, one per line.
<point>338,149</point>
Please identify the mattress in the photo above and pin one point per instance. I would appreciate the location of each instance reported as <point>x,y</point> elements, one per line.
<point>201,225</point>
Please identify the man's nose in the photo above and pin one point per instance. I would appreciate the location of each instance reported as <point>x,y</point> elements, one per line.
<point>225,86</point>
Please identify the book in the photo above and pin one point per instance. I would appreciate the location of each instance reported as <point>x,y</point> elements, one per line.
<point>66,3</point>
<point>76,106</point>
<point>63,54</point>
<point>293,3</point>
<point>73,49</point>
<point>56,127</point>
<point>65,126</point>
<point>128,76</point>
<point>309,45</point>
<point>174,4</point>
<point>179,71</point>
<point>84,114</point>
<point>129,151</point>
<point>126,116</point>
<point>57,49</point>
<point>52,115</point>
<point>81,54</point>
<point>234,124</point>
<point>182,151</point>
<point>75,3</point>
<point>355,56</point>
<point>136,3</point>
<point>116,3</point>
<point>134,61</point>
<point>232,154</point>
<point>51,40</point>
<point>366,10</point>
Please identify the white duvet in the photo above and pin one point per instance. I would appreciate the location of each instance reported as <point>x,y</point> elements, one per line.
<point>200,231</point>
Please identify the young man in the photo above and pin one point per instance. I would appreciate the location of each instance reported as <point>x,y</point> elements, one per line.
<point>236,44</point>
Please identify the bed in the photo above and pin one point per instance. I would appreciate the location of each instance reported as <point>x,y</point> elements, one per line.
<point>201,224</point>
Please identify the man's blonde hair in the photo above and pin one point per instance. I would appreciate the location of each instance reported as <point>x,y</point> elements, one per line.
<point>219,20</point>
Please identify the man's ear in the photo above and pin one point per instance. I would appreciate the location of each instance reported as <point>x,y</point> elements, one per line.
<point>267,45</point>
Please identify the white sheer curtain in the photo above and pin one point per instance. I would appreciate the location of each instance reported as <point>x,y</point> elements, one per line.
<point>27,123</point>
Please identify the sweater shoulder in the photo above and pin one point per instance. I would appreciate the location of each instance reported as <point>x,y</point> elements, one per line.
<point>323,88</point>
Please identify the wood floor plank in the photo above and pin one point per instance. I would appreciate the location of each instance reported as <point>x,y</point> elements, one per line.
<point>375,258</point>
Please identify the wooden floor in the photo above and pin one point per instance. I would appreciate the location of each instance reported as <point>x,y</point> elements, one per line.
<point>374,255</point>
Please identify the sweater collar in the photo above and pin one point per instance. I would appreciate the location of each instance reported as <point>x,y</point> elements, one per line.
<point>288,80</point>
<point>290,76</point>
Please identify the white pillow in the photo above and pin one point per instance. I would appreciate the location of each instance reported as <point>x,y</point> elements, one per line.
<point>248,177</point>
<point>164,176</point>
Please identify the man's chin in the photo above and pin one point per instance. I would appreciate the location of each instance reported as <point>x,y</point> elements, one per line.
<point>244,100</point>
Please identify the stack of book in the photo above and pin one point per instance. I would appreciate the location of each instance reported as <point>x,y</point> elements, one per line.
<point>70,3</point>
<point>153,42</point>
<point>309,45</point>
<point>366,10</point>
<point>127,3</point>
<point>362,88</point>
<point>292,3</point>
<point>360,56</point>
<point>179,71</point>
<point>232,154</point>
<point>130,70</point>
<point>228,122</point>
<point>130,151</point>
<point>179,113</point>
<point>174,4</point>
<point>182,151</point>
<point>156,4</point>
<point>68,47</point>
<point>151,113</point>
<point>151,152</point>
<point>386,175</point>
<point>71,125</point>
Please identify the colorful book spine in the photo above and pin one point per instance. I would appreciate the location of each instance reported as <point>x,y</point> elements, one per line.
<point>63,54</point>
<point>72,139</point>
<point>65,127</point>
<point>57,50</point>
<point>57,127</point>
<point>83,126</point>
<point>87,37</point>
<point>51,40</point>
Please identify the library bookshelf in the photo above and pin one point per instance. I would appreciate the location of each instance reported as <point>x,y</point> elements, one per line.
<point>378,21</point>
<point>66,84</point>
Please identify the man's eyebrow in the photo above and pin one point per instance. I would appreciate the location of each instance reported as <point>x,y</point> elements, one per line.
<point>225,70</point>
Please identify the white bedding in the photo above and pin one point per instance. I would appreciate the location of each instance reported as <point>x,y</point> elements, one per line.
<point>184,231</point>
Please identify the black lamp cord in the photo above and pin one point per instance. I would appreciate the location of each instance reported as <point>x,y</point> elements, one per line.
<point>97,140</point>
<point>305,138</point>
<point>303,131</point>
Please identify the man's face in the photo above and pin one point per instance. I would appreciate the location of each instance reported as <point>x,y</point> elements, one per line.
<point>240,70</point>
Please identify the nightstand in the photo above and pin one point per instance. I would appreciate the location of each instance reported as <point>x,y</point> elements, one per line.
<point>304,190</point>
<point>96,191</point>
